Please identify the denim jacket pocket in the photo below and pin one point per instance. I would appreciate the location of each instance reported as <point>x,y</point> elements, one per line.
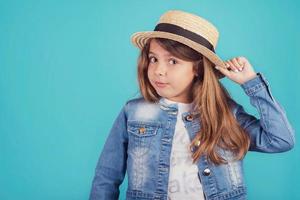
<point>141,135</point>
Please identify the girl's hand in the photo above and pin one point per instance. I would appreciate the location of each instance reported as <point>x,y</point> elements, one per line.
<point>238,70</point>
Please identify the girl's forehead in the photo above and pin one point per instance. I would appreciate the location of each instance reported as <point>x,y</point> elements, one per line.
<point>156,48</point>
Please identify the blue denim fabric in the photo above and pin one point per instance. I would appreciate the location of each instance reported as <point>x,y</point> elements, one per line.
<point>140,142</point>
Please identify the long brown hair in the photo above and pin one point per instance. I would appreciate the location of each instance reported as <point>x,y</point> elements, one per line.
<point>219,128</point>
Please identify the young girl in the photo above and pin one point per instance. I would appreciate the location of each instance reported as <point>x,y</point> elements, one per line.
<point>186,138</point>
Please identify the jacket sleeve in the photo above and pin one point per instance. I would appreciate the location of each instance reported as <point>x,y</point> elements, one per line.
<point>111,166</point>
<point>272,133</point>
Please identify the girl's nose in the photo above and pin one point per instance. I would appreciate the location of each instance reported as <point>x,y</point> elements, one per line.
<point>160,70</point>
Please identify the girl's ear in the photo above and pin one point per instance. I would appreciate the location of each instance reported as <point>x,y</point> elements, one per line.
<point>195,72</point>
<point>197,67</point>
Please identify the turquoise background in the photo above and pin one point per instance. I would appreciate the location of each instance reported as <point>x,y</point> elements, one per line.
<point>67,68</point>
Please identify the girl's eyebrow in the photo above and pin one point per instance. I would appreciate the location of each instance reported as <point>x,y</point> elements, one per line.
<point>167,54</point>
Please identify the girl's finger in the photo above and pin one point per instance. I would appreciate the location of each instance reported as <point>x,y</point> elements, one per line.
<point>240,61</point>
<point>227,66</point>
<point>232,66</point>
<point>237,65</point>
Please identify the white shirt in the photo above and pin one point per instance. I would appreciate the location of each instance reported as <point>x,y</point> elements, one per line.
<point>183,177</point>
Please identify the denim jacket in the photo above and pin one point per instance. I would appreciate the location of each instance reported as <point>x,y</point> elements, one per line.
<point>140,142</point>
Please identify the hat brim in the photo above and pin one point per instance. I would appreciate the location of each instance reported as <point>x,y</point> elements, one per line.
<point>139,39</point>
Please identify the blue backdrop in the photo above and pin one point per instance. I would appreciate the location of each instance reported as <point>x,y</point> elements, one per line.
<point>67,68</point>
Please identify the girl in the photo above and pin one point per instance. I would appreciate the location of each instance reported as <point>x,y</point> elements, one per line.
<point>186,138</point>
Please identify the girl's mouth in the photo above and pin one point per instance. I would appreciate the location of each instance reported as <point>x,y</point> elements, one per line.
<point>160,84</point>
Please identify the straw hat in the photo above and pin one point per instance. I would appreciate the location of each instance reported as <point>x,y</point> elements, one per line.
<point>186,28</point>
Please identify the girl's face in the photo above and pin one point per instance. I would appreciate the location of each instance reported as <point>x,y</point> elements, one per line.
<point>170,76</point>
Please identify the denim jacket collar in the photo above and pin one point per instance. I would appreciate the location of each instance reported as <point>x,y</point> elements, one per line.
<point>174,108</point>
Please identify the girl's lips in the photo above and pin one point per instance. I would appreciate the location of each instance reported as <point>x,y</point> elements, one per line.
<point>160,85</point>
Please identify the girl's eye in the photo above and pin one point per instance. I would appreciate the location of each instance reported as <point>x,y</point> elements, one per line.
<point>152,59</point>
<point>173,61</point>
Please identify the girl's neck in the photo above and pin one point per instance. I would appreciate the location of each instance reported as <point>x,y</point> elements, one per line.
<point>172,101</point>
<point>182,107</point>
<point>176,102</point>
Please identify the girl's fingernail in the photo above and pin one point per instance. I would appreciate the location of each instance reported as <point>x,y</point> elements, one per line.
<point>216,67</point>
<point>236,70</point>
<point>240,69</point>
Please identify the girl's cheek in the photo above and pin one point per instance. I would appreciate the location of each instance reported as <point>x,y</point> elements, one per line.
<point>151,69</point>
<point>150,72</point>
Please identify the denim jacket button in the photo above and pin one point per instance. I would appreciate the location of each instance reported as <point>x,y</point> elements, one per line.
<point>195,146</point>
<point>142,130</point>
<point>197,143</point>
<point>206,172</point>
<point>189,117</point>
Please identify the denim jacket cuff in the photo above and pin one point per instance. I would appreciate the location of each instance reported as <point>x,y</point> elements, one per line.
<point>256,84</point>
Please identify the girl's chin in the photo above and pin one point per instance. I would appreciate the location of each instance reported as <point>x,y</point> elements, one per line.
<point>163,94</point>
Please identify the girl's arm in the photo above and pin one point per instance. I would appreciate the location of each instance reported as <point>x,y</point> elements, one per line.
<point>272,132</point>
<point>111,166</point>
